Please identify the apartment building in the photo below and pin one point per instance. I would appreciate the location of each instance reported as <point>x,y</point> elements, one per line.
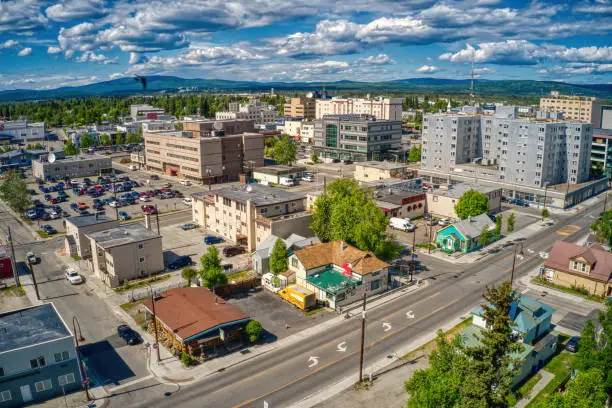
<point>38,357</point>
<point>23,131</point>
<point>292,128</point>
<point>207,128</point>
<point>380,108</point>
<point>77,228</point>
<point>601,151</point>
<point>82,165</point>
<point>356,137</point>
<point>302,108</point>
<point>254,110</point>
<point>247,214</point>
<point>126,252</point>
<point>144,111</point>
<point>606,117</point>
<point>307,132</point>
<point>203,159</point>
<point>574,108</point>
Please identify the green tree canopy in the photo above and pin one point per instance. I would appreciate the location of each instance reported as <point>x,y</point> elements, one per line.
<point>86,141</point>
<point>278,257</point>
<point>14,191</point>
<point>415,154</point>
<point>70,149</point>
<point>472,203</point>
<point>603,228</point>
<point>211,272</point>
<point>119,139</point>
<point>485,236</point>
<point>285,150</point>
<point>105,139</point>
<point>498,224</point>
<point>253,330</point>
<point>189,274</point>
<point>585,391</point>
<point>314,157</point>
<point>510,223</point>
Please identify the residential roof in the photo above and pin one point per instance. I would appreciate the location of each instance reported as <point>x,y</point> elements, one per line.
<point>396,196</point>
<point>259,194</point>
<point>600,261</point>
<point>340,253</point>
<point>472,227</point>
<point>11,154</point>
<point>382,165</point>
<point>457,190</point>
<point>125,234</point>
<point>472,337</point>
<point>293,241</point>
<point>193,311</point>
<point>279,169</point>
<point>331,281</point>
<point>31,326</point>
<point>81,221</point>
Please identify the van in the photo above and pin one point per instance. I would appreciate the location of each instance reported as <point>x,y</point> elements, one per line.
<point>286,181</point>
<point>402,224</point>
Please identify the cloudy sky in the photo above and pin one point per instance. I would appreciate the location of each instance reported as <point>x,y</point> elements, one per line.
<point>46,44</point>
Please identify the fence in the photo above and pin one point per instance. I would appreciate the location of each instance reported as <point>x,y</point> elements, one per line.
<point>240,287</point>
<point>142,293</point>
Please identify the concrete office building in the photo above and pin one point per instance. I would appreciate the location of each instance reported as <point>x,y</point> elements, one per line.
<point>606,117</point>
<point>38,357</point>
<point>248,214</point>
<point>302,108</point>
<point>307,132</point>
<point>77,228</point>
<point>143,111</point>
<point>203,159</point>
<point>574,108</point>
<point>82,165</point>
<point>126,252</point>
<point>23,131</point>
<point>601,151</point>
<point>292,128</point>
<point>380,108</point>
<point>206,128</point>
<point>356,137</point>
<point>254,110</point>
<point>523,156</point>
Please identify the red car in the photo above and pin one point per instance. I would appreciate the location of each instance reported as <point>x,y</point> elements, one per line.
<point>54,200</point>
<point>82,206</point>
<point>149,209</point>
<point>231,251</point>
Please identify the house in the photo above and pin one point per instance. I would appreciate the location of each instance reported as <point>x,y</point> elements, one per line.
<point>77,228</point>
<point>195,321</point>
<point>441,201</point>
<point>572,265</point>
<point>339,273</point>
<point>273,174</point>
<point>463,235</point>
<point>261,256</point>
<point>38,357</point>
<point>126,252</point>
<point>398,203</point>
<point>532,323</point>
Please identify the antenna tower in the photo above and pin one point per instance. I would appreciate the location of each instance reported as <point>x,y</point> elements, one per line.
<point>472,78</point>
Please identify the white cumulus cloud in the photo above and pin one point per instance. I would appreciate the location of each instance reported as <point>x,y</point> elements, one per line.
<point>428,69</point>
<point>25,52</point>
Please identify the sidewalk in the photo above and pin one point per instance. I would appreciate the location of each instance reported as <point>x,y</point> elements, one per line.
<point>546,378</point>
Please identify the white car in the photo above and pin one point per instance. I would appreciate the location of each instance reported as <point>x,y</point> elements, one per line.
<point>73,277</point>
<point>187,201</point>
<point>308,177</point>
<point>185,182</point>
<point>444,222</point>
<point>145,199</point>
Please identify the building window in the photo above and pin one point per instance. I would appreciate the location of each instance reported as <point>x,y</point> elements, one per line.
<point>294,262</point>
<point>375,285</point>
<point>44,385</point>
<point>39,362</point>
<point>61,356</point>
<point>140,246</point>
<point>5,396</point>
<point>142,259</point>
<point>66,379</point>
<point>1,372</point>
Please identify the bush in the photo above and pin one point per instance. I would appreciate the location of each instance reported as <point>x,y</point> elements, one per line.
<point>253,330</point>
<point>125,161</point>
<point>186,359</point>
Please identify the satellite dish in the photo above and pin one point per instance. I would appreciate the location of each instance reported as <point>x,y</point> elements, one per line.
<point>249,189</point>
<point>51,158</point>
<point>218,125</point>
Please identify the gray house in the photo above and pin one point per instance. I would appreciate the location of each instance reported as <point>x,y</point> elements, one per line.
<point>261,256</point>
<point>38,357</point>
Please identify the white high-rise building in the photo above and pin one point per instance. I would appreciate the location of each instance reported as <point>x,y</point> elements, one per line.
<point>380,108</point>
<point>254,110</point>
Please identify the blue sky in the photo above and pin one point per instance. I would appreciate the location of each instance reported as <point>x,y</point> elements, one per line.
<point>46,44</point>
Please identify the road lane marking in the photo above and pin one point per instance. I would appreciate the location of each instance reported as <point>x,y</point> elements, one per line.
<point>387,326</point>
<point>313,361</point>
<point>342,347</point>
<point>410,314</point>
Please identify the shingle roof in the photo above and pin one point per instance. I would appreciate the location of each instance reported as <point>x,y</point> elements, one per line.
<point>471,228</point>
<point>526,313</point>
<point>562,252</point>
<point>293,241</point>
<point>362,262</point>
<point>192,311</point>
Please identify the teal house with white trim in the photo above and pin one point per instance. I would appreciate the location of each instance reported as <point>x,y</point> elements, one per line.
<point>463,235</point>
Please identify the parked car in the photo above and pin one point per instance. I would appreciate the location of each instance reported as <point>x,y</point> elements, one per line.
<point>154,177</point>
<point>211,239</point>
<point>145,199</point>
<point>444,222</point>
<point>73,277</point>
<point>49,229</point>
<point>572,344</point>
<point>401,224</point>
<point>187,201</point>
<point>233,251</point>
<point>32,258</point>
<point>308,177</point>
<point>124,216</point>
<point>188,226</point>
<point>129,335</point>
<point>185,182</point>
<point>179,262</point>
<point>82,205</point>
<point>149,209</point>
<point>167,185</point>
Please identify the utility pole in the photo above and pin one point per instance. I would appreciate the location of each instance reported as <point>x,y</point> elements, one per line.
<point>414,238</point>
<point>606,198</point>
<point>155,323</point>
<point>514,263</point>
<point>78,338</point>
<point>363,321</point>
<point>9,238</point>
<point>116,203</point>
<point>430,236</point>
<point>34,279</point>
<point>157,218</point>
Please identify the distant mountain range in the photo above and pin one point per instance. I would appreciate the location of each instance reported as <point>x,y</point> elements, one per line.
<point>155,84</point>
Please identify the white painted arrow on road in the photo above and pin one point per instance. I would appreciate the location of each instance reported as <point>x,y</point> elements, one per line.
<point>342,346</point>
<point>387,326</point>
<point>410,314</point>
<point>313,361</point>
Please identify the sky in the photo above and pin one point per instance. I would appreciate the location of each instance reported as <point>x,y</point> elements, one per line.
<point>48,44</point>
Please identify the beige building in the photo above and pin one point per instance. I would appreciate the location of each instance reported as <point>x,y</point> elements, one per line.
<point>441,201</point>
<point>381,108</point>
<point>274,174</point>
<point>126,252</point>
<point>77,228</point>
<point>206,128</point>
<point>377,170</point>
<point>578,108</point>
<point>292,128</point>
<point>307,132</point>
<point>73,166</point>
<point>204,159</point>
<point>255,110</point>
<point>247,214</point>
<point>301,107</point>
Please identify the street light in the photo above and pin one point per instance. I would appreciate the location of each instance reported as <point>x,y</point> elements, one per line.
<point>154,321</point>
<point>545,191</point>
<point>75,324</point>
<point>521,253</point>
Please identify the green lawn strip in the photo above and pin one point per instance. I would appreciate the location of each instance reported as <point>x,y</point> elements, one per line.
<point>139,283</point>
<point>239,275</point>
<point>132,309</point>
<point>543,282</point>
<point>431,345</point>
<point>560,366</point>
<point>524,390</point>
<point>12,291</point>
<point>42,234</point>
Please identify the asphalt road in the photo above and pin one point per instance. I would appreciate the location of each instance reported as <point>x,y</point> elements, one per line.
<point>284,377</point>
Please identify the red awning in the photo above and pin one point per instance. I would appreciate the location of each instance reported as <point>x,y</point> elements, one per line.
<point>347,270</point>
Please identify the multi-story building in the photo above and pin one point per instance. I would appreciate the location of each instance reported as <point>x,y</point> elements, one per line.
<point>307,132</point>
<point>601,151</point>
<point>574,108</point>
<point>606,117</point>
<point>254,110</point>
<point>203,159</point>
<point>23,131</point>
<point>38,357</point>
<point>303,108</point>
<point>153,125</point>
<point>248,214</point>
<point>207,128</point>
<point>380,108</point>
<point>72,166</point>
<point>126,252</point>
<point>356,137</point>
<point>77,228</point>
<point>292,128</point>
<point>143,111</point>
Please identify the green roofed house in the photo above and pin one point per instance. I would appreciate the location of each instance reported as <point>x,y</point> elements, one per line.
<point>532,322</point>
<point>463,235</point>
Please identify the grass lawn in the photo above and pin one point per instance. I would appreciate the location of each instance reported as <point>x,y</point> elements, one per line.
<point>238,276</point>
<point>132,309</point>
<point>42,234</point>
<point>139,283</point>
<point>12,291</point>
<point>543,282</point>
<point>560,366</point>
<point>431,345</point>
<point>524,390</point>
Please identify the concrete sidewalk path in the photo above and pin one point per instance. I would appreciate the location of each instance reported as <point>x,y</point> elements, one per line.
<point>546,378</point>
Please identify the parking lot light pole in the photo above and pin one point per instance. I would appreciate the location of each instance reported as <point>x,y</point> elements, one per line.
<point>75,324</point>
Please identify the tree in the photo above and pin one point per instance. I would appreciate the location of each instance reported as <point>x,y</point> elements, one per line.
<point>490,368</point>
<point>189,274</point>
<point>314,157</point>
<point>603,228</point>
<point>105,139</point>
<point>212,272</point>
<point>285,150</point>
<point>585,391</point>
<point>472,203</point>
<point>86,141</point>
<point>415,154</point>
<point>253,330</point>
<point>485,236</point>
<point>510,223</point>
<point>7,146</point>
<point>278,257</point>
<point>439,384</point>
<point>70,149</point>
<point>498,224</point>
<point>119,140</point>
<point>545,213</point>
<point>14,191</point>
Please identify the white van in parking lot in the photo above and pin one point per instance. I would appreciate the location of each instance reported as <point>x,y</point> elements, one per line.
<point>402,224</point>
<point>286,181</point>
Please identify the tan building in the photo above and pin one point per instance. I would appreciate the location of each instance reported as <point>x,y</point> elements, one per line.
<point>441,201</point>
<point>82,165</point>
<point>381,170</point>
<point>204,159</point>
<point>380,108</point>
<point>248,214</point>
<point>77,228</point>
<point>576,266</point>
<point>206,128</point>
<point>274,174</point>
<point>126,252</point>
<point>301,107</point>
<point>401,204</point>
<point>578,108</point>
